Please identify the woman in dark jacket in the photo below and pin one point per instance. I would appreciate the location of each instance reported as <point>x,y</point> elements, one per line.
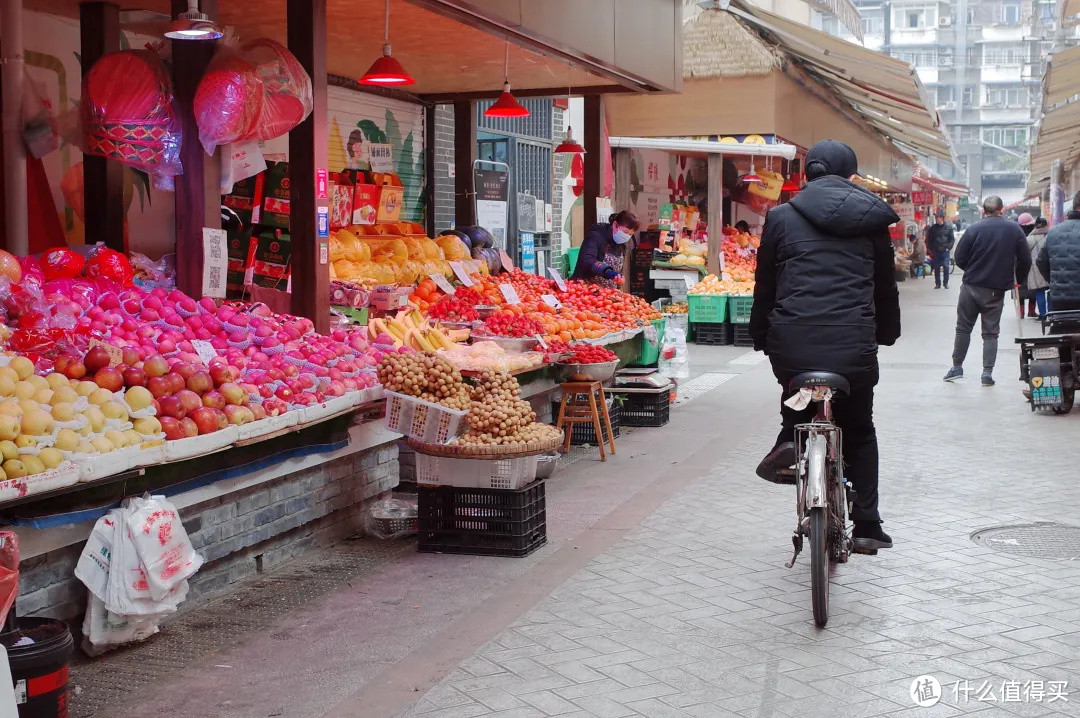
<point>601,258</point>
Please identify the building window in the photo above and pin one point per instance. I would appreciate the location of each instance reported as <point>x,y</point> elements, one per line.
<point>1010,13</point>
<point>969,97</point>
<point>873,23</point>
<point>944,94</point>
<point>1005,96</point>
<point>915,18</point>
<point>1005,136</point>
<point>971,16</point>
<point>995,56</point>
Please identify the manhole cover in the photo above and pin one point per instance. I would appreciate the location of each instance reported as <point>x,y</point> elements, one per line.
<point>1040,540</point>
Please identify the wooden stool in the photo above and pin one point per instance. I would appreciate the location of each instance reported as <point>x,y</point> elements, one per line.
<point>583,402</point>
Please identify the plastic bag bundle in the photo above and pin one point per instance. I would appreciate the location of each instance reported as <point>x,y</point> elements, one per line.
<point>674,362</point>
<point>128,113</point>
<point>287,99</point>
<point>391,518</point>
<point>229,100</point>
<point>9,572</point>
<point>128,596</point>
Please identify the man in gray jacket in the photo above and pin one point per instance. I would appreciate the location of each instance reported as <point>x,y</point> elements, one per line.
<point>1059,261</point>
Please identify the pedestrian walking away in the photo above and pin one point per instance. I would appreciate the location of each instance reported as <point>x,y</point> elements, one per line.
<point>940,239</point>
<point>825,298</point>
<point>1059,261</point>
<point>1037,283</point>
<point>995,258</point>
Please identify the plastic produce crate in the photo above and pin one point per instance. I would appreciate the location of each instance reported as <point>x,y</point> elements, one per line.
<point>483,522</point>
<point>424,420</point>
<point>711,308</point>
<point>742,336</point>
<point>712,334</point>
<point>475,473</point>
<point>650,353</point>
<point>582,434</point>
<point>740,308</point>
<point>645,406</point>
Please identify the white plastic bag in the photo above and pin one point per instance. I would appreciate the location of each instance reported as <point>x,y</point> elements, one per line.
<point>103,629</point>
<point>674,362</point>
<point>96,559</point>
<point>162,545</point>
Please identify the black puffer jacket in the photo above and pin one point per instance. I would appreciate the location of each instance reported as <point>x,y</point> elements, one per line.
<point>826,292</point>
<point>1059,260</point>
<point>594,249</point>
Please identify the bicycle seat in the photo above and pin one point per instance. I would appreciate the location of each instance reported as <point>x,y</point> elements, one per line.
<point>820,378</point>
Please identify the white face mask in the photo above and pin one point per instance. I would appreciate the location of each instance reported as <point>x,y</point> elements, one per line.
<point>621,236</point>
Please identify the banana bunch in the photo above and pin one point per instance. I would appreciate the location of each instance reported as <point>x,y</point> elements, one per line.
<point>410,328</point>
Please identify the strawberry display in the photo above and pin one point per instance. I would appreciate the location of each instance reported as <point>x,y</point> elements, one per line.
<point>456,307</point>
<point>589,354</point>
<point>512,325</point>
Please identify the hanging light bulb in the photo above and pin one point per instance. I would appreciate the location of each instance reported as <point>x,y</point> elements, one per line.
<point>386,70</point>
<point>569,146</point>
<point>193,25</point>
<point>507,105</point>
<point>752,177</point>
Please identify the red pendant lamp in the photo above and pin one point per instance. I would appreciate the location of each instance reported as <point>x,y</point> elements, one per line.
<point>569,146</point>
<point>507,105</point>
<point>791,184</point>
<point>387,71</point>
<point>752,177</point>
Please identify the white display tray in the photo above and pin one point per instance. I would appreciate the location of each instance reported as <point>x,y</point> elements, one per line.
<point>268,425</point>
<point>197,445</point>
<point>64,475</point>
<point>317,412</point>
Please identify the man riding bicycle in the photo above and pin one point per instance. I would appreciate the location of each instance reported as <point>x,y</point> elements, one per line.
<point>825,298</point>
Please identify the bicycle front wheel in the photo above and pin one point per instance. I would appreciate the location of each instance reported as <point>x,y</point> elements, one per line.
<point>819,565</point>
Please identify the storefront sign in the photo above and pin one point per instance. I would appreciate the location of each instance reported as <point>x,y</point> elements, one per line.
<point>322,184</point>
<point>380,157</point>
<point>528,252</point>
<point>215,262</point>
<point>906,211</point>
<point>492,202</point>
<point>922,198</point>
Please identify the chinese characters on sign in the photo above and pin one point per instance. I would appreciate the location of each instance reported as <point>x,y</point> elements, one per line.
<point>492,201</point>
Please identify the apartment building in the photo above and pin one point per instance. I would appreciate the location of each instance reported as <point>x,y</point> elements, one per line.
<point>981,62</point>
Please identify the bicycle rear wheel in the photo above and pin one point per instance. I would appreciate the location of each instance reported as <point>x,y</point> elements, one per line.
<point>819,565</point>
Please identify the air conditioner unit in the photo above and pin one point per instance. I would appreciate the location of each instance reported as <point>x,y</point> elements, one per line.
<point>945,21</point>
<point>950,105</point>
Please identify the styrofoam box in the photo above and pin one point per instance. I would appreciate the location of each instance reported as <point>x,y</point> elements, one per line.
<point>268,425</point>
<point>97,466</point>
<point>475,473</point>
<point>66,474</point>
<point>424,420</point>
<point>315,412</point>
<point>196,445</point>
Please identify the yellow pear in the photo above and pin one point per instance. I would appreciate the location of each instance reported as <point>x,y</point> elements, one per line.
<point>32,464</point>
<point>85,447</point>
<point>114,410</point>
<point>10,427</point>
<point>14,469</point>
<point>25,390</point>
<point>57,380</point>
<point>132,438</point>
<point>37,381</point>
<point>9,373</point>
<point>11,407</point>
<point>24,441</point>
<point>97,419</point>
<point>63,412</point>
<point>22,366</point>
<point>51,457</point>
<point>64,395</point>
<point>29,405</point>
<point>7,386</point>
<point>38,423</point>
<point>102,445</point>
<point>148,426</point>
<point>116,438</point>
<point>44,396</point>
<point>100,396</point>
<point>8,450</point>
<point>86,388</point>
<point>66,440</point>
<point>3,475</point>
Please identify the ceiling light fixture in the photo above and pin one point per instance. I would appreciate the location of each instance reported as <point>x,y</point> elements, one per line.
<point>386,70</point>
<point>507,105</point>
<point>752,177</point>
<point>193,25</point>
<point>569,146</point>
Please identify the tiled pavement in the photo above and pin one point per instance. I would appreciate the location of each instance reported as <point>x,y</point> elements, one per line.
<point>694,614</point>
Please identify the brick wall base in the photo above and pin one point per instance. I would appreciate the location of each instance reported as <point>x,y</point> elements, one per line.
<point>240,533</point>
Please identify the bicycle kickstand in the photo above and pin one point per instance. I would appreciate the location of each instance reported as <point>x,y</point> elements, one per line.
<point>796,540</point>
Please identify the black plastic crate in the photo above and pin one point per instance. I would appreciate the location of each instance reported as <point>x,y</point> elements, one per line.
<point>644,408</point>
<point>712,334</point>
<point>581,434</point>
<point>742,336</point>
<point>482,522</point>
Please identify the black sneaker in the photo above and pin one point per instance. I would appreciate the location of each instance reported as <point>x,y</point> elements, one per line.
<point>868,537</point>
<point>957,372</point>
<point>987,379</point>
<point>777,466</point>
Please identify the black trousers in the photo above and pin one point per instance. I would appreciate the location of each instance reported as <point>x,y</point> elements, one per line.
<point>854,414</point>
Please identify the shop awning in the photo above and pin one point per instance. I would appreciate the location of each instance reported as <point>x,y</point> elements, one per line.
<point>688,146</point>
<point>1069,11</point>
<point>950,189</point>
<point>884,91</point>
<point>1056,138</point>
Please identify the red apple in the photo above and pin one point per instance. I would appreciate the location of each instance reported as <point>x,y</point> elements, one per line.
<point>265,391</point>
<point>214,399</point>
<point>222,420</point>
<point>200,382</point>
<point>221,373</point>
<point>238,415</point>
<point>97,358</point>
<point>134,377</point>
<point>156,365</point>
<point>130,356</point>
<point>109,378</point>
<point>189,426</point>
<point>185,370</point>
<point>233,393</point>
<point>190,400</point>
<point>172,406</point>
<point>158,386</point>
<point>258,412</point>
<point>284,393</point>
<point>176,382</point>
<point>172,428</point>
<point>205,419</point>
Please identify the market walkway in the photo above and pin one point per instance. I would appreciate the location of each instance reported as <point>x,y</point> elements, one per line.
<point>663,591</point>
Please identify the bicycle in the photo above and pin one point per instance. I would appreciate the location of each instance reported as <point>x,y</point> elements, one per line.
<point>823,496</point>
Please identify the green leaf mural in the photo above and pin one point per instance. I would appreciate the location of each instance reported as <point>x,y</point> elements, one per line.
<point>371,131</point>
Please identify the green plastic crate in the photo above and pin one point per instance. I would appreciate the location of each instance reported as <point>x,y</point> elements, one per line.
<point>707,308</point>
<point>740,309</point>
<point>651,354</point>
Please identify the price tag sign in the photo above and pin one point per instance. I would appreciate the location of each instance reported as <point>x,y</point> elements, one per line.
<point>205,350</point>
<point>441,283</point>
<point>543,344</point>
<point>116,356</point>
<point>462,274</point>
<point>507,263</point>
<point>557,276</point>
<point>509,294</point>
<point>551,301</point>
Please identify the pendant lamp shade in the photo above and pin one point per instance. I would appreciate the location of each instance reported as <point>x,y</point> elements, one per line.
<point>387,71</point>
<point>791,184</point>
<point>507,105</point>
<point>193,25</point>
<point>569,146</point>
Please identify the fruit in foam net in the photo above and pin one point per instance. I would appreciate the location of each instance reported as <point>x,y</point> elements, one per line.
<point>10,427</point>
<point>37,423</point>
<point>55,380</point>
<point>63,412</point>
<point>25,390</point>
<point>100,396</point>
<point>22,366</point>
<point>116,438</point>
<point>64,395</point>
<point>44,396</point>
<point>8,450</point>
<point>51,457</point>
<point>147,426</point>
<point>66,440</point>
<point>114,410</point>
<point>138,398</point>
<point>102,445</point>
<point>96,418</point>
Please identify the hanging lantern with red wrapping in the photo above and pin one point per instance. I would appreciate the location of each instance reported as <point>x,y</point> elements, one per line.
<point>62,263</point>
<point>128,113</point>
<point>229,100</point>
<point>105,263</point>
<point>287,100</point>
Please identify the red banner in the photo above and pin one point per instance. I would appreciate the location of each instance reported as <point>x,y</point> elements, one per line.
<point>922,198</point>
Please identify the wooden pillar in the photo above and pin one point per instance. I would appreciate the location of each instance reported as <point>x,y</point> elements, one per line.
<point>429,170</point>
<point>622,189</point>
<point>594,159</point>
<point>715,218</point>
<point>103,180</point>
<point>308,153</point>
<point>464,155</point>
<point>196,206</point>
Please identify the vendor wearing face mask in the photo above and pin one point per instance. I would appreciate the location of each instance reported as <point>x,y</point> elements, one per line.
<point>601,258</point>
